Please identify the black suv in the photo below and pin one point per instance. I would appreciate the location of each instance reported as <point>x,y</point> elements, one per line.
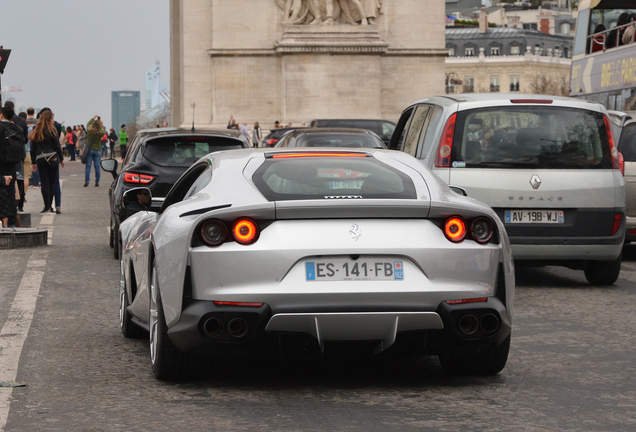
<point>383,128</point>
<point>156,158</point>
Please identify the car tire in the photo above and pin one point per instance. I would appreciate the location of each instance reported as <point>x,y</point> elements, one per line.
<point>487,362</point>
<point>603,272</point>
<point>128,328</point>
<point>117,242</point>
<point>167,361</point>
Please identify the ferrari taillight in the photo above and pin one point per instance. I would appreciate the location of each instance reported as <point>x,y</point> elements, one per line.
<point>245,231</point>
<point>138,178</point>
<point>455,229</point>
<point>213,232</point>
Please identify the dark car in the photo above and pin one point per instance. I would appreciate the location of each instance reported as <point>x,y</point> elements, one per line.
<point>383,128</point>
<point>331,137</point>
<point>156,158</point>
<point>276,134</point>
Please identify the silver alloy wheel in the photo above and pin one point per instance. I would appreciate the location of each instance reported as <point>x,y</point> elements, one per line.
<point>122,294</point>
<point>153,315</point>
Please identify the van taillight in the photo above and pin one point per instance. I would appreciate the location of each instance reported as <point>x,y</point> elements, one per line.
<point>442,160</point>
<point>618,218</point>
<point>621,162</point>
<point>616,164</point>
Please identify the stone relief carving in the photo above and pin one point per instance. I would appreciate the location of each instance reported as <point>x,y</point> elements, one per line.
<point>328,12</point>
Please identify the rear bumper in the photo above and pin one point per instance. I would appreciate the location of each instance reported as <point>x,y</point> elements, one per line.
<point>565,251</point>
<point>428,332</point>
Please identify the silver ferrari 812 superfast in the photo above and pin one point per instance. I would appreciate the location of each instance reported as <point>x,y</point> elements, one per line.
<point>309,252</point>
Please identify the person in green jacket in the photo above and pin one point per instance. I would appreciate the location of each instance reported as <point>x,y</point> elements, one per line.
<point>95,132</point>
<point>123,140</point>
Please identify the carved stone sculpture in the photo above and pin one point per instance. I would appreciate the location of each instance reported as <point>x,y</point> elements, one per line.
<point>326,12</point>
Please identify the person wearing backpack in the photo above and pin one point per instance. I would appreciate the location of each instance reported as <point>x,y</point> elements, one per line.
<point>11,154</point>
<point>47,154</point>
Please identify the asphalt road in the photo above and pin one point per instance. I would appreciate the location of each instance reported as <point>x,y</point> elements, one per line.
<point>571,368</point>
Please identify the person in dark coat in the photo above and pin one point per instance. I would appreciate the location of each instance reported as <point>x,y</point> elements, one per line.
<point>112,139</point>
<point>47,154</point>
<point>8,171</point>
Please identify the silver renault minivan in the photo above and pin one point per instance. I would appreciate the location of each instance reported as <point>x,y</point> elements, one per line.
<point>547,165</point>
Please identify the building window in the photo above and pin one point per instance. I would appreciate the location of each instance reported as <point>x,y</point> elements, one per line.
<point>469,51</point>
<point>514,83</point>
<point>565,28</point>
<point>469,85</point>
<point>494,84</point>
<point>451,52</point>
<point>494,51</point>
<point>514,50</point>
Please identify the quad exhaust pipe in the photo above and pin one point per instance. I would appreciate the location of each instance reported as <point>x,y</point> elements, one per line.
<point>213,327</point>
<point>488,324</point>
<point>237,327</point>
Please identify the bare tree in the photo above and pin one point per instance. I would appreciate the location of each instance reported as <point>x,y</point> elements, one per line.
<point>542,84</point>
<point>149,121</point>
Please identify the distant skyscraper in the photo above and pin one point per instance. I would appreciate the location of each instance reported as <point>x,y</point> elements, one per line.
<point>126,106</point>
<point>156,91</point>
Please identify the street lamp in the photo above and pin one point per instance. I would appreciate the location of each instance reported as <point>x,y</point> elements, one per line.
<point>450,80</point>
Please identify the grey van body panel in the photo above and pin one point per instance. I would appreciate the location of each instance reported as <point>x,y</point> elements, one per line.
<point>589,197</point>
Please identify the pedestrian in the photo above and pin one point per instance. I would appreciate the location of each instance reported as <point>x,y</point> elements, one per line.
<point>47,155</point>
<point>243,130</point>
<point>12,140</point>
<point>112,139</point>
<point>34,179</point>
<point>70,139</point>
<point>257,135</point>
<point>104,144</point>
<point>123,141</point>
<point>81,139</point>
<point>95,132</point>
<point>276,124</point>
<point>231,122</point>
<point>58,188</point>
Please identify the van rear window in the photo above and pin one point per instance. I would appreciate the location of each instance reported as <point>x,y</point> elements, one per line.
<point>184,151</point>
<point>308,178</point>
<point>530,137</point>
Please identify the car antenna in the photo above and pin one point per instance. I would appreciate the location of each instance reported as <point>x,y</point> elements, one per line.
<point>193,106</point>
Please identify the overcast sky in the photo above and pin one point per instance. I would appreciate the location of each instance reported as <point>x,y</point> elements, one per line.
<point>70,54</point>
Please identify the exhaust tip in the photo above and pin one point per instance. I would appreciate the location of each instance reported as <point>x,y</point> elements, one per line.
<point>237,327</point>
<point>489,323</point>
<point>468,324</point>
<point>213,327</point>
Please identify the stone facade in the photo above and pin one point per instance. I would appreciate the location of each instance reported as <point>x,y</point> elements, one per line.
<point>239,59</point>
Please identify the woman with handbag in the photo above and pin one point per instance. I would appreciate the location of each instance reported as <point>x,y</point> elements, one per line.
<point>47,154</point>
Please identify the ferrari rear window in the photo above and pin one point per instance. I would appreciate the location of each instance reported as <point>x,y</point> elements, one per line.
<point>184,151</point>
<point>309,178</point>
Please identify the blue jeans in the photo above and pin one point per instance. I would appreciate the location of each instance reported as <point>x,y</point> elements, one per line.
<point>93,158</point>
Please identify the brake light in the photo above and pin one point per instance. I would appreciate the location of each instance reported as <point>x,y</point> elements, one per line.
<point>245,231</point>
<point>138,178</point>
<point>621,162</point>
<point>534,101</point>
<point>618,218</point>
<point>442,160</point>
<point>227,303</point>
<point>475,300</point>
<point>271,142</point>
<point>613,149</point>
<point>309,155</point>
<point>455,229</point>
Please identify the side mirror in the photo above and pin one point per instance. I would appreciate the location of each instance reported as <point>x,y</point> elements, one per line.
<point>137,199</point>
<point>459,191</point>
<point>110,165</point>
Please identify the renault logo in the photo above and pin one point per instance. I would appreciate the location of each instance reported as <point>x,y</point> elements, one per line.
<point>535,181</point>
